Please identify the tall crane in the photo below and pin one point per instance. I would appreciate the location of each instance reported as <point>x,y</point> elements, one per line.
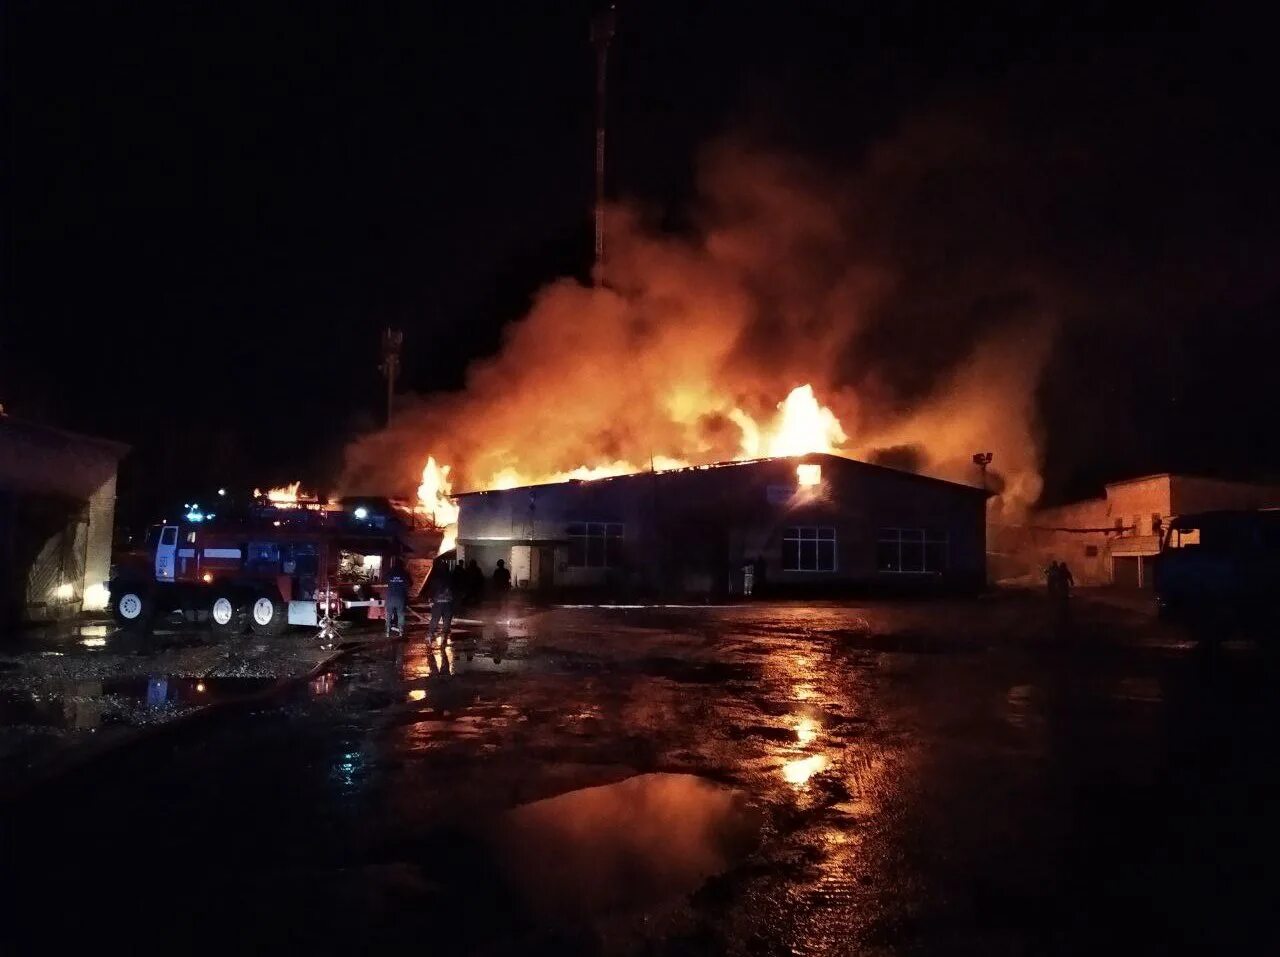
<point>603,26</point>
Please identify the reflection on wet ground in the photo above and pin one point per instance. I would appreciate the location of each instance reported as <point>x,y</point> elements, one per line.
<point>626,845</point>
<point>749,780</point>
<point>87,704</point>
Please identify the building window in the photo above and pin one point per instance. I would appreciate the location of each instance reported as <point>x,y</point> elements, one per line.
<point>1091,551</point>
<point>595,544</point>
<point>919,551</point>
<point>809,548</point>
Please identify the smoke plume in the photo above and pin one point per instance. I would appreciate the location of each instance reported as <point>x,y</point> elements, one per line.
<point>901,309</point>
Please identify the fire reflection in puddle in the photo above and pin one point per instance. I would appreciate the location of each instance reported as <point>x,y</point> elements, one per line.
<point>643,840</point>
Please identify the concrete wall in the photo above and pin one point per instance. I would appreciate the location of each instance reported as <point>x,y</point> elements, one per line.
<point>1141,508</point>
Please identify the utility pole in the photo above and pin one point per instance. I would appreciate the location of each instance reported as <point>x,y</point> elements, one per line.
<point>392,340</point>
<point>603,25</point>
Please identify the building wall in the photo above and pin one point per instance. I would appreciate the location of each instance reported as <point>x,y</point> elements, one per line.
<point>97,566</point>
<point>57,504</point>
<point>1112,539</point>
<point>694,530</point>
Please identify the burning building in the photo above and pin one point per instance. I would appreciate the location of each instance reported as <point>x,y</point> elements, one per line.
<point>804,523</point>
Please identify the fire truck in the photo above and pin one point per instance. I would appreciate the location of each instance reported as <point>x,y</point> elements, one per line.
<point>264,569</point>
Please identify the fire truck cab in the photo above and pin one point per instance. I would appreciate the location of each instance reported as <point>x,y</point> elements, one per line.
<point>261,571</point>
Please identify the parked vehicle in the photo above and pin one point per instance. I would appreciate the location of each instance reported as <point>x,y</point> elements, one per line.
<point>1219,563</point>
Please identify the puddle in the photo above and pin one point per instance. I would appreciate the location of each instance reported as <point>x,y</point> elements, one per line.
<point>82,705</point>
<point>627,845</point>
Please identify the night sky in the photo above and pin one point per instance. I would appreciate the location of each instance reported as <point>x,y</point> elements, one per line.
<point>212,214</point>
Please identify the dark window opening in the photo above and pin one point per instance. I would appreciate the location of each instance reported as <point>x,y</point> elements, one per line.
<point>809,549</point>
<point>595,544</point>
<point>914,551</point>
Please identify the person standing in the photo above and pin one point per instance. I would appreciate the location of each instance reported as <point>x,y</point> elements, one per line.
<point>502,577</point>
<point>440,591</point>
<point>502,587</point>
<point>397,598</point>
<point>475,583</point>
<point>748,578</point>
<point>1068,580</point>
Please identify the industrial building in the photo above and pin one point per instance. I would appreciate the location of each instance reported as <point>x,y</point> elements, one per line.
<point>806,523</point>
<point>1113,539</point>
<point>57,509</point>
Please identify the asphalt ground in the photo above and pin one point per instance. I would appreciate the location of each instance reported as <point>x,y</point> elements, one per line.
<point>982,776</point>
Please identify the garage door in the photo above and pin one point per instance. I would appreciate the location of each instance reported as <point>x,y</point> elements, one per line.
<point>1149,572</point>
<point>1125,571</point>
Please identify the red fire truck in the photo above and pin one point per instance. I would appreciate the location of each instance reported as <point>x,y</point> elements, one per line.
<point>265,569</point>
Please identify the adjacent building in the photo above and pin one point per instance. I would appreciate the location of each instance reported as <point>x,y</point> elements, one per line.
<point>1113,539</point>
<point>57,510</point>
<point>813,522</point>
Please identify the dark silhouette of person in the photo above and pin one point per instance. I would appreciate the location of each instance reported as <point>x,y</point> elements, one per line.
<point>458,579</point>
<point>502,578</point>
<point>397,598</point>
<point>502,588</point>
<point>440,591</point>
<point>475,582</point>
<point>760,569</point>
<point>1068,580</point>
<point>1051,579</point>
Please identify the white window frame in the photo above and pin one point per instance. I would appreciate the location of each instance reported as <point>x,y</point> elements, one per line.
<point>795,533</point>
<point>924,537</point>
<point>590,534</point>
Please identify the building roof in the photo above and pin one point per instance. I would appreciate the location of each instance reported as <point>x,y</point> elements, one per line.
<point>46,435</point>
<point>811,457</point>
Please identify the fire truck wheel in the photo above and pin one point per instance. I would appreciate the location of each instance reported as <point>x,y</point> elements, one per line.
<point>226,617</point>
<point>268,615</point>
<point>132,606</point>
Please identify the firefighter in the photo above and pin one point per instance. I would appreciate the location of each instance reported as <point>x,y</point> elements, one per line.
<point>397,598</point>
<point>440,591</point>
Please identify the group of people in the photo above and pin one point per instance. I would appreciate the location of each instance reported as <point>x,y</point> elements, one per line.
<point>450,585</point>
<point>1058,580</point>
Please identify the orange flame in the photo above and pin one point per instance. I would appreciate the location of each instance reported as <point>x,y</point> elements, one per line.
<point>801,425</point>
<point>286,496</point>
<point>433,496</point>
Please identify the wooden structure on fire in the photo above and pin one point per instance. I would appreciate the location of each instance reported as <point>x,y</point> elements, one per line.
<point>808,523</point>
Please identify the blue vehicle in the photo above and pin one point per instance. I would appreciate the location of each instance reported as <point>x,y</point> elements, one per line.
<point>1222,564</point>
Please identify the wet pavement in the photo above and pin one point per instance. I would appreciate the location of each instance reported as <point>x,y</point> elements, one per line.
<point>930,777</point>
<point>77,688</point>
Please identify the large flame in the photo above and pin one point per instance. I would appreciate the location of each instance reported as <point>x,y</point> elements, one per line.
<point>802,425</point>
<point>433,496</point>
